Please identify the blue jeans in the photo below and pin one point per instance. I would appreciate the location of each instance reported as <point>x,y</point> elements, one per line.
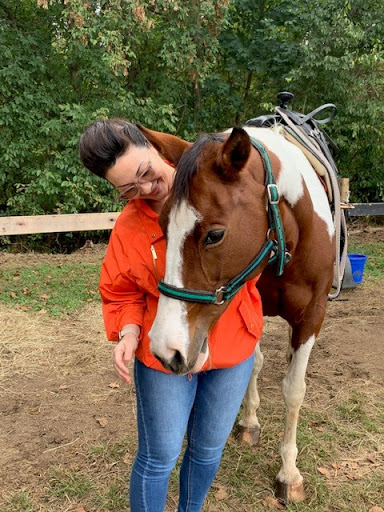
<point>205,406</point>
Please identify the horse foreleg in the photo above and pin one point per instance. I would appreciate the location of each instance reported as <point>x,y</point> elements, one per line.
<point>249,426</point>
<point>289,480</point>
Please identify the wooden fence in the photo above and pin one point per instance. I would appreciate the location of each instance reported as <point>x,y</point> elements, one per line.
<point>27,225</point>
<point>57,223</point>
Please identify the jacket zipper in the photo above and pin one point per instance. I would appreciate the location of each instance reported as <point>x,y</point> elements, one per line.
<point>154,257</point>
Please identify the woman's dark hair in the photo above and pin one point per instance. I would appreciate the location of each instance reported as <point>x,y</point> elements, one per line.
<point>103,142</point>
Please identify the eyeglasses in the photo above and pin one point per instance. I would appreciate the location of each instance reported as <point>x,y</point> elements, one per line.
<point>132,189</point>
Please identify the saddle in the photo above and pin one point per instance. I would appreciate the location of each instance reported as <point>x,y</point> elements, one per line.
<point>304,131</point>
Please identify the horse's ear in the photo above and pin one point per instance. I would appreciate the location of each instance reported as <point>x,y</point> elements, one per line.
<point>169,146</point>
<point>234,154</point>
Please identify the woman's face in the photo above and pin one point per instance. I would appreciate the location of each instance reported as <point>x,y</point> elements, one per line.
<point>141,173</point>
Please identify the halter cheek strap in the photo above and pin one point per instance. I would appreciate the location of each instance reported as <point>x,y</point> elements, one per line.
<point>280,256</point>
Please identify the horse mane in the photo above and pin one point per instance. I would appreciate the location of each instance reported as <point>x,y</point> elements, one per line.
<point>187,166</point>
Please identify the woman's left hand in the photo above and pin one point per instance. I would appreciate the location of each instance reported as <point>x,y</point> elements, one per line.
<point>123,353</point>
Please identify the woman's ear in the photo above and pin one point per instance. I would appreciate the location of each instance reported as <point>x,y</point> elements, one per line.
<point>169,146</point>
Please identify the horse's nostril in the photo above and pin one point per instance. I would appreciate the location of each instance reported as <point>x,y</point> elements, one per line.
<point>177,358</point>
<point>176,364</point>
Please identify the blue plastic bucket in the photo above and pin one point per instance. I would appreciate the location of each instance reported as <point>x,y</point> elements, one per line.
<point>357,265</point>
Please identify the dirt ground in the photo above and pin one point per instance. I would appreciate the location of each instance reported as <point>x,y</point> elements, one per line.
<point>59,395</point>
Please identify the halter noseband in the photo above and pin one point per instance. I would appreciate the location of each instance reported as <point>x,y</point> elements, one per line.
<point>281,256</point>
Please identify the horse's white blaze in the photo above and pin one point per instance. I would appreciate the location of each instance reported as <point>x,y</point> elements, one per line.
<point>293,390</point>
<point>169,331</point>
<point>294,169</point>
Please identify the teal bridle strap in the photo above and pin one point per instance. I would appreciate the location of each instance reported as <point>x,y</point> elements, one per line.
<point>223,293</point>
<point>280,256</point>
<point>274,217</point>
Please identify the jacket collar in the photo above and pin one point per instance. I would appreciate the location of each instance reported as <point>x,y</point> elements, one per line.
<point>149,219</point>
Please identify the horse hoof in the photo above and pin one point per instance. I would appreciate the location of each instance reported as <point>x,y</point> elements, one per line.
<point>248,435</point>
<point>293,493</point>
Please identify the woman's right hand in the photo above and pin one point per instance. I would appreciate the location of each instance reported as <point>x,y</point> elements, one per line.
<point>123,353</point>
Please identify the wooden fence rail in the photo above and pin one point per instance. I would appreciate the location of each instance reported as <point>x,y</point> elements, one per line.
<point>57,223</point>
<point>27,225</point>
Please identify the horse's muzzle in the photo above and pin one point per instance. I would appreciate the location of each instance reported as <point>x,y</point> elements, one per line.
<point>176,365</point>
<point>180,366</point>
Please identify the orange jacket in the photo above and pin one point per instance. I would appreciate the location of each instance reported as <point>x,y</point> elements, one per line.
<point>128,287</point>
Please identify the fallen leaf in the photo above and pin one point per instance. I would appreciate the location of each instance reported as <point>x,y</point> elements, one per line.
<point>272,502</point>
<point>335,465</point>
<point>44,296</point>
<point>324,471</point>
<point>42,312</point>
<point>16,278</point>
<point>114,385</point>
<point>221,494</point>
<point>13,294</point>
<point>78,508</point>
<point>354,476</point>
<point>127,459</point>
<point>25,308</point>
<point>103,422</point>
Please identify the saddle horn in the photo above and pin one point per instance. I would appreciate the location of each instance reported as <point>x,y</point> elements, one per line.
<point>284,98</point>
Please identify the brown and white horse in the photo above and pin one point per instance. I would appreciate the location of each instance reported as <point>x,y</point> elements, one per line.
<point>216,222</point>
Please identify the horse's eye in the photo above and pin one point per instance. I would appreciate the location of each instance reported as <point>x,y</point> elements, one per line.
<point>214,237</point>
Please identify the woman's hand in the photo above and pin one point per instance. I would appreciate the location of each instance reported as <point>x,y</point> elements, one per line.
<point>123,353</point>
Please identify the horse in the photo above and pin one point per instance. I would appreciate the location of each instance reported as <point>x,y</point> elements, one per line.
<point>217,223</point>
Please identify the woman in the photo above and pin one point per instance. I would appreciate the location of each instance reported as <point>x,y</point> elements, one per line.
<point>203,405</point>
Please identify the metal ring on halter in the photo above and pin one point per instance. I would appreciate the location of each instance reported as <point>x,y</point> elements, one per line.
<point>270,187</point>
<point>287,257</point>
<point>270,230</point>
<point>219,299</point>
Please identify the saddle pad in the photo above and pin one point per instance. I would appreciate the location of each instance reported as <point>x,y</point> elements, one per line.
<point>317,165</point>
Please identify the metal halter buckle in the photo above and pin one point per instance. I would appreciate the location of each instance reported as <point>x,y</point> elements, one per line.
<point>269,192</point>
<point>219,296</point>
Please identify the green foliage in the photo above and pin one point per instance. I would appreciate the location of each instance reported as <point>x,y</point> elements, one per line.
<point>342,60</point>
<point>180,67</point>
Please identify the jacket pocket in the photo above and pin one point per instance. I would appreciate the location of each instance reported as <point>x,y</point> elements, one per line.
<point>253,320</point>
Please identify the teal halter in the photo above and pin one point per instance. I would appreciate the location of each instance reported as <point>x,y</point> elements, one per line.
<point>281,256</point>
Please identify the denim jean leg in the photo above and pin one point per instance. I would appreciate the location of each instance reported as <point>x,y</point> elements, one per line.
<point>218,400</point>
<point>164,402</point>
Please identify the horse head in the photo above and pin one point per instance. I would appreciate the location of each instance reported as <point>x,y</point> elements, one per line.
<point>215,222</point>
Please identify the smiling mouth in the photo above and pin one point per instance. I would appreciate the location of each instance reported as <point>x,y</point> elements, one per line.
<point>155,188</point>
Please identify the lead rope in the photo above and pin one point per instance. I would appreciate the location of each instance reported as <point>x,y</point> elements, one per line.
<point>339,217</point>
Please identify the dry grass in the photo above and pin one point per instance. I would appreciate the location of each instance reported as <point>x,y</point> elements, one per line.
<point>29,341</point>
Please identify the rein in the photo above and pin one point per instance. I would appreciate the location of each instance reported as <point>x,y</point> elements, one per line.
<point>277,246</point>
